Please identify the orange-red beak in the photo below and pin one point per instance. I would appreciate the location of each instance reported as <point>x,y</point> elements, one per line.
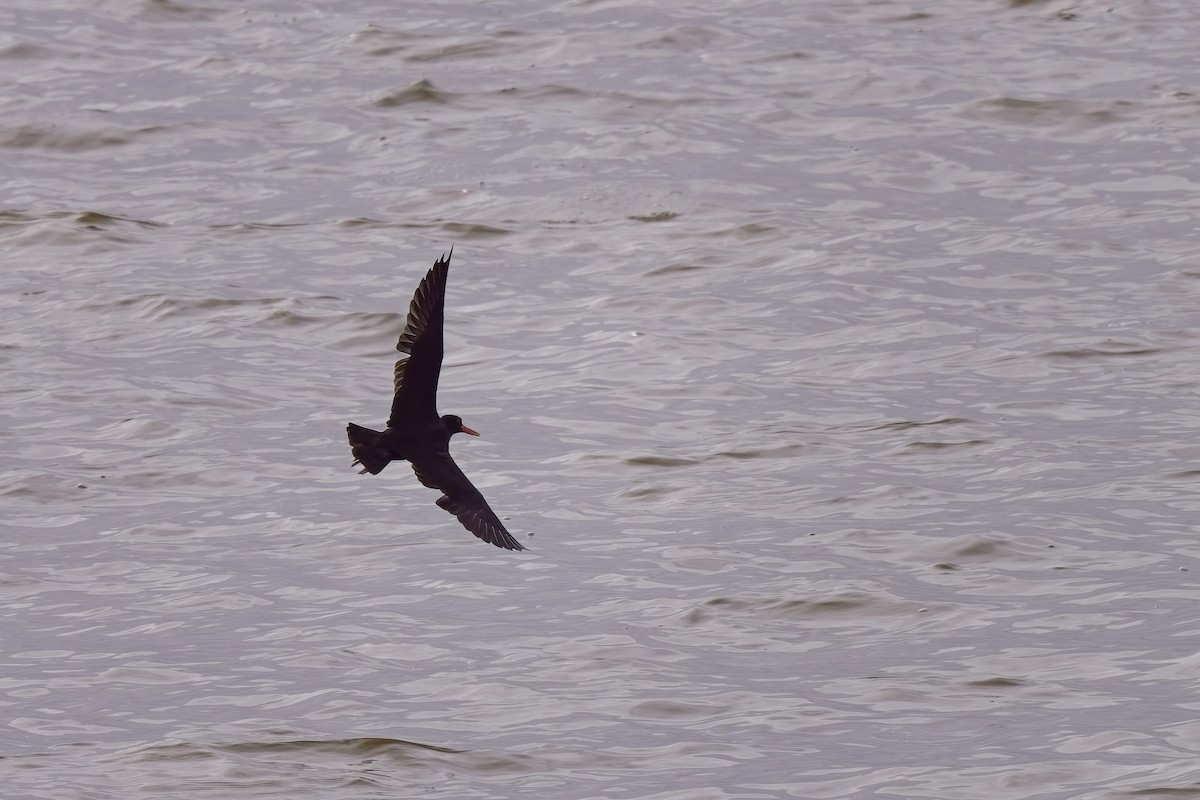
<point>467,430</point>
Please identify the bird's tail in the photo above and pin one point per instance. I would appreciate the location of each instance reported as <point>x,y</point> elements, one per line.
<point>364,444</point>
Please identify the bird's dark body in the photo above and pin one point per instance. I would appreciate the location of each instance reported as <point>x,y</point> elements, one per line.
<point>415,432</point>
<point>376,449</point>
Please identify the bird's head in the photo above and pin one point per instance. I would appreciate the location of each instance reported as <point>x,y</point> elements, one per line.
<point>453,423</point>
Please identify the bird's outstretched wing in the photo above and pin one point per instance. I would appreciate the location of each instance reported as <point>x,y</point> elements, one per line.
<point>462,499</point>
<point>415,378</point>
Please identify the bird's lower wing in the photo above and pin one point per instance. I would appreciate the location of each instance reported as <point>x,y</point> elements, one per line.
<point>463,500</point>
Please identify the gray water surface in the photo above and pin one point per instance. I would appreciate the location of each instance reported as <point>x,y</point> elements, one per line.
<point>835,360</point>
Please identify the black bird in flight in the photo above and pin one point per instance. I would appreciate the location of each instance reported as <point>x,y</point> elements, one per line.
<point>415,433</point>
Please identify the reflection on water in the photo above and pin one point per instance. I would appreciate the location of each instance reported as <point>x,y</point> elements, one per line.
<point>836,367</point>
